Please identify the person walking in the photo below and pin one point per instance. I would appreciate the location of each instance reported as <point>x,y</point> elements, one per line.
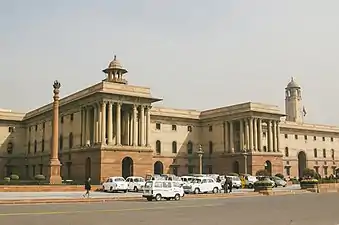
<point>87,187</point>
<point>230,184</point>
<point>226,184</point>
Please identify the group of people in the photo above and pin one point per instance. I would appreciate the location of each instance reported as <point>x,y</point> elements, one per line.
<point>227,184</point>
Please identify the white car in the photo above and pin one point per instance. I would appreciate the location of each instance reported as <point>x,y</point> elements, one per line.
<point>186,179</point>
<point>202,185</point>
<point>236,182</point>
<point>163,189</point>
<point>249,181</point>
<point>114,184</point>
<point>135,183</point>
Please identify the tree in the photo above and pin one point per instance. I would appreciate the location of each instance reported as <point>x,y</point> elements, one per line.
<point>262,173</point>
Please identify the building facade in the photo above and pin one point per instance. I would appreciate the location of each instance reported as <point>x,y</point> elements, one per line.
<point>113,129</point>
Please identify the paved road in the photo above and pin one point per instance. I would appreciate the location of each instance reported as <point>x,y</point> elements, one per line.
<point>55,195</point>
<point>306,209</point>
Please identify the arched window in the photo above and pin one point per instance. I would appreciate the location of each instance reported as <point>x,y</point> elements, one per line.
<point>70,140</point>
<point>210,147</point>
<point>286,152</point>
<point>35,146</point>
<point>158,147</point>
<point>61,142</point>
<point>189,147</point>
<point>10,148</point>
<point>174,147</point>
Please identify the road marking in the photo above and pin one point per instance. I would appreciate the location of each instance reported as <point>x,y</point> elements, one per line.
<point>105,210</point>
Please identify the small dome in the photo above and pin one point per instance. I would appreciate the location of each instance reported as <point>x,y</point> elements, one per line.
<point>115,64</point>
<point>292,84</point>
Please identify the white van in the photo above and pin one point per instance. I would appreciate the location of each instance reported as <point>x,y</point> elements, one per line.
<point>163,189</point>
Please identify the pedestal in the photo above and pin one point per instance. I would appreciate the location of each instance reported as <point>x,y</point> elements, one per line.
<point>54,172</point>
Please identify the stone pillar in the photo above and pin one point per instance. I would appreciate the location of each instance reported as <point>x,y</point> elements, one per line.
<point>131,125</point>
<point>128,116</point>
<point>135,125</point>
<point>82,125</point>
<point>54,163</point>
<point>103,122</point>
<point>247,139</point>
<point>259,134</point>
<point>118,122</point>
<point>241,134</point>
<point>110,123</point>
<point>278,136</point>
<point>226,138</point>
<point>87,126</point>
<point>251,134</point>
<point>148,125</point>
<point>255,134</point>
<point>142,126</point>
<point>270,138</point>
<point>274,134</point>
<point>96,123</point>
<point>231,137</point>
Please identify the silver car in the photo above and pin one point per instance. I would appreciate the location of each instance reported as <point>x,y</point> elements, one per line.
<point>279,182</point>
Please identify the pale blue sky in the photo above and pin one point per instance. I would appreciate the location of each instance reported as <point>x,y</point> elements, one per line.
<point>194,54</point>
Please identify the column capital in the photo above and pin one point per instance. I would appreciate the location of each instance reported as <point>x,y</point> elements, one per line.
<point>135,106</point>
<point>118,103</point>
<point>148,107</point>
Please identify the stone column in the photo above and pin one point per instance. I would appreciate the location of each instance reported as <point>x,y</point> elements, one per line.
<point>255,133</point>
<point>118,122</point>
<point>87,126</point>
<point>270,138</point>
<point>231,137</point>
<point>110,123</point>
<point>135,125</point>
<point>148,125</point>
<point>241,134</point>
<point>247,139</point>
<point>54,163</point>
<point>278,136</point>
<point>274,134</point>
<point>96,123</point>
<point>142,126</point>
<point>259,134</point>
<point>103,122</point>
<point>226,138</point>
<point>82,125</point>
<point>251,134</point>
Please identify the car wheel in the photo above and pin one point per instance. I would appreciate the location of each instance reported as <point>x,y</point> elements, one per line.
<point>149,199</point>
<point>177,197</point>
<point>125,191</point>
<point>135,189</point>
<point>215,190</point>
<point>196,191</point>
<point>250,186</point>
<point>158,197</point>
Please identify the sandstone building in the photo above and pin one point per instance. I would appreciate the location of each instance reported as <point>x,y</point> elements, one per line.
<point>111,128</point>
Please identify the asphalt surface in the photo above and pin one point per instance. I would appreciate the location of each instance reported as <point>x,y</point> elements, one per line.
<point>305,209</point>
<point>56,195</point>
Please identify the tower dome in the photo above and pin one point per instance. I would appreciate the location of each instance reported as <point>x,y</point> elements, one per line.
<point>115,72</point>
<point>292,84</point>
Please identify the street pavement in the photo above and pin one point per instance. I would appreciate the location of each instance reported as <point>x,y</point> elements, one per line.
<point>303,209</point>
<point>72,195</point>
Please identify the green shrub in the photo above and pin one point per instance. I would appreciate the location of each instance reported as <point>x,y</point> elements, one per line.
<point>262,173</point>
<point>309,173</point>
<point>39,177</point>
<point>7,179</point>
<point>310,181</point>
<point>327,181</point>
<point>294,180</point>
<point>14,177</point>
<point>280,175</point>
<point>263,183</point>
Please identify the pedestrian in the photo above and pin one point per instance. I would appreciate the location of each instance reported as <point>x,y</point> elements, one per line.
<point>226,184</point>
<point>230,184</point>
<point>87,187</point>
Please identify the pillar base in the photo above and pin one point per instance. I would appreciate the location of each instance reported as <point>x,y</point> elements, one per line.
<point>54,172</point>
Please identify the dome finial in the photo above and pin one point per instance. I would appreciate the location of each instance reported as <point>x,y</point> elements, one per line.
<point>115,57</point>
<point>292,78</point>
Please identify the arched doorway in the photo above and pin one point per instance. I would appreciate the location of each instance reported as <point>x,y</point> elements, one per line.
<point>301,163</point>
<point>158,167</point>
<point>236,167</point>
<point>268,167</point>
<point>127,167</point>
<point>88,168</point>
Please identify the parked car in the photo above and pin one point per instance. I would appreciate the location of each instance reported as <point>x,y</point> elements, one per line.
<point>236,182</point>
<point>249,181</point>
<point>202,185</point>
<point>163,189</point>
<point>115,184</point>
<point>186,179</point>
<point>278,182</point>
<point>135,183</point>
<point>264,178</point>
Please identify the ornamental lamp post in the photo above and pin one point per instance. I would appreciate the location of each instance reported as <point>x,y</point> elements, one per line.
<point>245,159</point>
<point>200,153</point>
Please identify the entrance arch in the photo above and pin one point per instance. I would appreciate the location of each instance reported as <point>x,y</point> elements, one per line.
<point>236,167</point>
<point>88,168</point>
<point>268,167</point>
<point>301,163</point>
<point>127,167</point>
<point>158,167</point>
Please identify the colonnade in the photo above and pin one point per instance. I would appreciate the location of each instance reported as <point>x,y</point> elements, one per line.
<point>247,134</point>
<point>115,123</point>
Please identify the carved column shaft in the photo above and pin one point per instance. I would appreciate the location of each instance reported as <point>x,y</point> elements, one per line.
<point>241,134</point>
<point>118,122</point>
<point>259,134</point>
<point>142,126</point>
<point>103,122</point>
<point>251,141</point>
<point>255,133</point>
<point>148,125</point>
<point>96,123</point>
<point>135,125</point>
<point>110,123</point>
<point>270,138</point>
<point>231,137</point>
<point>226,137</point>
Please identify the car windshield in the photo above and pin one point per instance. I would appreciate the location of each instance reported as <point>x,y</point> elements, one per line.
<point>119,179</point>
<point>149,184</point>
<point>198,181</point>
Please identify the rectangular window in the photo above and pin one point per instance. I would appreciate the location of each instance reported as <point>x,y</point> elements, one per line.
<point>288,172</point>
<point>315,153</point>
<point>296,137</point>
<point>305,137</point>
<point>189,128</point>
<point>314,138</point>
<point>174,127</point>
<point>324,153</point>
<point>10,129</point>
<point>324,139</point>
<point>62,120</point>
<point>36,127</point>
<point>157,126</point>
<point>325,171</point>
<point>332,139</point>
<point>210,128</point>
<point>72,117</point>
<point>286,136</point>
